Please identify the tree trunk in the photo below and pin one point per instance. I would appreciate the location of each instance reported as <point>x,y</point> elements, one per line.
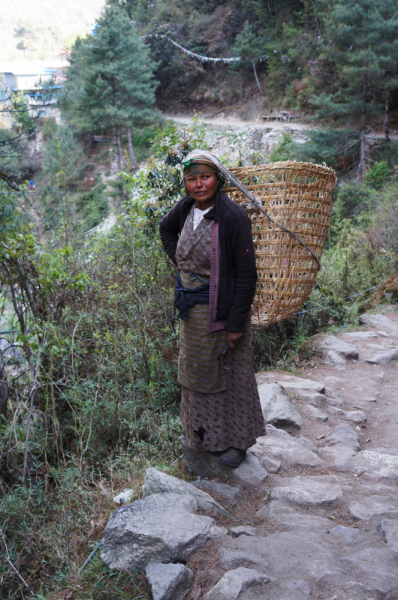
<point>363,158</point>
<point>119,164</point>
<point>255,74</point>
<point>3,390</point>
<point>121,153</point>
<point>131,150</point>
<point>387,118</point>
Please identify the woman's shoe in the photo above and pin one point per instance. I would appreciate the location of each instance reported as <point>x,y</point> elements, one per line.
<point>233,457</point>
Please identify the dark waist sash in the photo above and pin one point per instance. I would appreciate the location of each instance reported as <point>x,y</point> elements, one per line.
<point>186,298</point>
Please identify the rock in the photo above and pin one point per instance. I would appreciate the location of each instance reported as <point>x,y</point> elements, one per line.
<point>159,528</point>
<point>337,455</point>
<point>355,416</point>
<point>376,464</point>
<point>208,464</point>
<point>307,491</point>
<point>296,384</point>
<point>295,590</point>
<point>292,383</point>
<point>278,407</point>
<point>306,443</point>
<point>272,465</point>
<point>378,320</point>
<point>282,514</point>
<point>334,359</point>
<point>343,435</point>
<point>311,397</point>
<point>284,448</point>
<point>316,414</point>
<point>330,342</point>
<point>236,582</point>
<point>348,535</point>
<point>243,530</point>
<point>229,492</point>
<point>336,399</point>
<point>232,559</point>
<point>384,357</point>
<point>250,470</point>
<point>383,334</point>
<point>389,529</point>
<point>157,482</point>
<point>373,506</point>
<point>376,570</point>
<point>124,497</point>
<point>285,555</point>
<point>361,335</point>
<point>170,581</point>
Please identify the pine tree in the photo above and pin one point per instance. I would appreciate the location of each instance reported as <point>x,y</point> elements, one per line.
<point>250,48</point>
<point>356,30</point>
<point>111,77</point>
<point>388,52</point>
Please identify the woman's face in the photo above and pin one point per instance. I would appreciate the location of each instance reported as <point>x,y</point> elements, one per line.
<point>202,187</point>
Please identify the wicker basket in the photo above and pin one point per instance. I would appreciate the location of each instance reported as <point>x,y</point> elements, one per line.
<point>299,197</point>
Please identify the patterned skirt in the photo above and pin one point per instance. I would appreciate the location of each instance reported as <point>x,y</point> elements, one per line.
<point>220,407</point>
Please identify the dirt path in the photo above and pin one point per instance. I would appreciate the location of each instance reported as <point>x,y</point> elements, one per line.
<point>234,123</point>
<point>312,511</point>
<point>324,524</point>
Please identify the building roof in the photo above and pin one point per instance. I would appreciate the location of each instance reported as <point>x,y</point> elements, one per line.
<point>32,67</point>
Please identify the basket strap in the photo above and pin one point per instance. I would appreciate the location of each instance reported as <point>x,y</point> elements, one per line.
<point>254,202</point>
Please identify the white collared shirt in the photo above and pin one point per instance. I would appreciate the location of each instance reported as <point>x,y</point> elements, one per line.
<point>198,216</point>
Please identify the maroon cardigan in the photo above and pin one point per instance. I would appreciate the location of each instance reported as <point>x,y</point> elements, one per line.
<point>237,264</point>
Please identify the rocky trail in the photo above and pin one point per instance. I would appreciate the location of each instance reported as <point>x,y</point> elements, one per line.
<point>312,512</point>
<point>225,121</point>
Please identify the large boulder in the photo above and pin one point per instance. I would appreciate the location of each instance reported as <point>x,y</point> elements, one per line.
<point>160,528</point>
<point>378,320</point>
<point>278,407</point>
<point>157,482</point>
<point>329,342</point>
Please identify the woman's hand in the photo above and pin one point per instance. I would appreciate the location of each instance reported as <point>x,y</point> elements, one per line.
<point>233,338</point>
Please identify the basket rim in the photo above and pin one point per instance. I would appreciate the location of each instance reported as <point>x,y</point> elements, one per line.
<point>290,165</point>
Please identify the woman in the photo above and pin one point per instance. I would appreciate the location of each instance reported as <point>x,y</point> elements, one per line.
<point>208,237</point>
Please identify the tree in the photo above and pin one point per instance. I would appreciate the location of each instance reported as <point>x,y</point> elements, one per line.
<point>388,51</point>
<point>112,77</point>
<point>356,30</point>
<point>63,160</point>
<point>250,48</point>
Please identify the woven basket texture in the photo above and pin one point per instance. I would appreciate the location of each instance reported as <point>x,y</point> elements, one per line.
<point>298,196</point>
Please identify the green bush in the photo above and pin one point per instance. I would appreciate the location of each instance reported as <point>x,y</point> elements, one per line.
<point>377,174</point>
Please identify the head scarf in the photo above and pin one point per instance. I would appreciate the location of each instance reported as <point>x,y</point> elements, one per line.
<point>196,163</point>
